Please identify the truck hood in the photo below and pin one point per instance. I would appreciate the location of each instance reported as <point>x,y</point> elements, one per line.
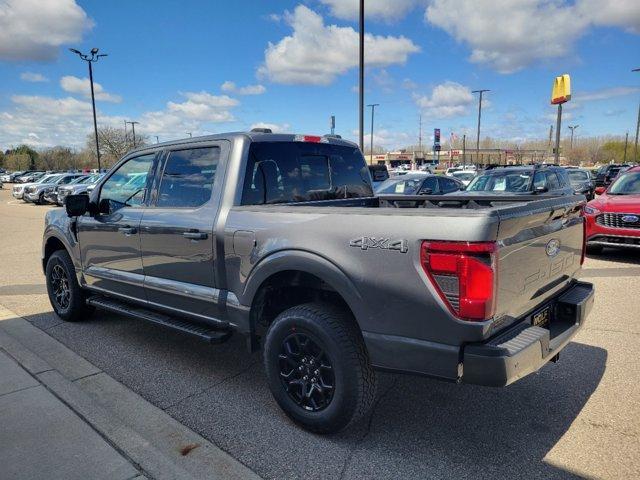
<point>617,203</point>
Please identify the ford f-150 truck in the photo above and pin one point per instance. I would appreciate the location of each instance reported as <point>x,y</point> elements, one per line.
<point>279,238</point>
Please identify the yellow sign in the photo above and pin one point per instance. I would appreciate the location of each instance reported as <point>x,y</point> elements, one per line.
<point>561,90</point>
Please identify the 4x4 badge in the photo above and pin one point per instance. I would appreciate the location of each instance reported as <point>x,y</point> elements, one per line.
<point>366,243</point>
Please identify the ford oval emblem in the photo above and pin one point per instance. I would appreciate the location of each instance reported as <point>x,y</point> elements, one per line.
<point>630,219</point>
<point>553,247</point>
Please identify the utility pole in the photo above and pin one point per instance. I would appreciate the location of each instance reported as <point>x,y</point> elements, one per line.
<point>626,142</point>
<point>361,77</point>
<point>550,138</point>
<point>479,119</point>
<point>125,131</point>
<point>572,128</point>
<point>373,109</point>
<point>464,149</point>
<point>133,130</point>
<point>635,150</point>
<point>157,139</point>
<point>420,137</point>
<point>90,59</point>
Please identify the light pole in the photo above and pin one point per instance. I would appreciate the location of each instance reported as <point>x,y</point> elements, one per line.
<point>479,119</point>
<point>572,128</point>
<point>157,139</point>
<point>373,109</point>
<point>94,57</point>
<point>133,130</point>
<point>361,77</point>
<point>635,149</point>
<point>626,142</point>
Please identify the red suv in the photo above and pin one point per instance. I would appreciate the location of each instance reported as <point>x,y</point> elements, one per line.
<point>613,218</point>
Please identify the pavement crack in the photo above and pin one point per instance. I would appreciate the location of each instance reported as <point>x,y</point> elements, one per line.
<point>219,382</point>
<point>357,443</point>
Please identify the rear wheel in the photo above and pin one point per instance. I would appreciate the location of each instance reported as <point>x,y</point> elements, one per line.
<point>318,368</point>
<point>65,294</point>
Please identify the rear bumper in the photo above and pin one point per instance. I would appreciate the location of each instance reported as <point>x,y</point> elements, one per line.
<point>524,348</point>
<point>502,360</point>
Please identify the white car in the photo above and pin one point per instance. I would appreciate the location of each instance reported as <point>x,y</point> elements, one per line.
<point>18,189</point>
<point>465,176</point>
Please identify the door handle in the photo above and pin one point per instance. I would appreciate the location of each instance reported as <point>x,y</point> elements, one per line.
<point>195,235</point>
<point>126,230</point>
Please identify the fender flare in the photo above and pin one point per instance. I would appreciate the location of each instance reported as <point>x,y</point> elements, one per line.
<point>52,232</point>
<point>307,262</point>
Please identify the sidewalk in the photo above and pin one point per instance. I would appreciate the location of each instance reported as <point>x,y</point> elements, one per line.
<point>63,418</point>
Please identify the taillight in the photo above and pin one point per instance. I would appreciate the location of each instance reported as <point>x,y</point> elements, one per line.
<point>464,275</point>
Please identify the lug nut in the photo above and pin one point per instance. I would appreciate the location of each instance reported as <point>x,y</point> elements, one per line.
<point>317,372</point>
<point>305,378</point>
<point>313,380</point>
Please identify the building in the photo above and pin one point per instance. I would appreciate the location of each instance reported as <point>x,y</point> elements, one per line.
<point>485,156</point>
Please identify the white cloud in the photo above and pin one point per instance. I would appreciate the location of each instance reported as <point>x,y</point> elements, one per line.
<point>509,35</point>
<point>388,139</point>
<point>231,87</point>
<point>203,106</point>
<point>275,127</point>
<point>33,77</point>
<point>81,86</point>
<point>449,99</point>
<point>605,93</point>
<point>35,29</point>
<point>315,53</point>
<point>379,9</point>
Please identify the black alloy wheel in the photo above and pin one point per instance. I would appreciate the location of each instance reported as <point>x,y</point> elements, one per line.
<point>306,372</point>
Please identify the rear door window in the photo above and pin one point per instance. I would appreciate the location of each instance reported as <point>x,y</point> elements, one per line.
<point>187,179</point>
<point>288,172</point>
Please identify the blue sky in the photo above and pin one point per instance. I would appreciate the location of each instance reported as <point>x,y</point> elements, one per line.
<point>205,67</point>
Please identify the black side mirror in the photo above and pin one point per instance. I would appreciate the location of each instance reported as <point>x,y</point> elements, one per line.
<point>426,191</point>
<point>77,205</point>
<point>541,190</point>
<point>104,206</point>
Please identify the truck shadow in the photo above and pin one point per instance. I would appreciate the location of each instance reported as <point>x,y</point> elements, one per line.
<point>419,428</point>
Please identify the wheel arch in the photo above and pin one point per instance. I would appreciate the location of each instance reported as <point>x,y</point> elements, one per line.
<point>293,277</point>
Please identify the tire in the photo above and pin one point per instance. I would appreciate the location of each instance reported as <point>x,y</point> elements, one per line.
<point>594,249</point>
<point>333,331</point>
<point>65,294</point>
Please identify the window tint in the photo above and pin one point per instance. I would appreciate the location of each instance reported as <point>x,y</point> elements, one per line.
<point>431,183</point>
<point>552,181</point>
<point>126,186</point>
<point>284,172</point>
<point>188,176</point>
<point>449,185</point>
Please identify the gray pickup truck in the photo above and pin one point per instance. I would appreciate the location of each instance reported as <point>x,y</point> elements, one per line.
<point>279,238</point>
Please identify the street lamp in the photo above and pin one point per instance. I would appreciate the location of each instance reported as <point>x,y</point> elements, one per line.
<point>572,128</point>
<point>133,131</point>
<point>479,119</point>
<point>373,109</point>
<point>635,150</point>
<point>94,57</point>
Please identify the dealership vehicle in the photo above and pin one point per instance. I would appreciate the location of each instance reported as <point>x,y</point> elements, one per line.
<point>419,184</point>
<point>544,180</point>
<point>379,174</point>
<point>11,177</point>
<point>464,176</point>
<point>51,194</point>
<point>607,173</point>
<point>613,219</point>
<point>77,187</point>
<point>582,182</point>
<point>30,177</point>
<point>19,188</point>
<point>36,191</point>
<point>279,238</point>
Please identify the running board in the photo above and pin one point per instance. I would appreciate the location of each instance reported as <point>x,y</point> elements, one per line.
<point>199,330</point>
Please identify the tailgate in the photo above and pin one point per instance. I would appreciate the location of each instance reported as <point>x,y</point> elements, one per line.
<point>540,252</point>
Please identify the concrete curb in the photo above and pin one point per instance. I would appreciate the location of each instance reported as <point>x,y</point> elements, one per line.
<point>151,439</point>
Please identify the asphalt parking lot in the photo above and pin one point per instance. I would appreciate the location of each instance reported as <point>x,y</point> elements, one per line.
<point>577,418</point>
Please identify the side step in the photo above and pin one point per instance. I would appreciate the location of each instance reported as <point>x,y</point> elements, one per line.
<point>199,330</point>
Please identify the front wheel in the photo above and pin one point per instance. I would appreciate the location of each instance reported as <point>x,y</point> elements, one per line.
<point>65,294</point>
<point>318,367</point>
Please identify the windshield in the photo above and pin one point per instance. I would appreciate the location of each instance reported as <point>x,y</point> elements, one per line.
<point>577,177</point>
<point>501,182</point>
<point>78,180</point>
<point>48,179</point>
<point>401,186</point>
<point>627,184</point>
<point>464,176</point>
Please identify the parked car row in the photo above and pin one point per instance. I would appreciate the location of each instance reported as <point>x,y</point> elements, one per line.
<point>47,188</point>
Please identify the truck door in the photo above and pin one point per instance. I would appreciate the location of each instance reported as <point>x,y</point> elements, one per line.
<point>110,240</point>
<point>177,231</point>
